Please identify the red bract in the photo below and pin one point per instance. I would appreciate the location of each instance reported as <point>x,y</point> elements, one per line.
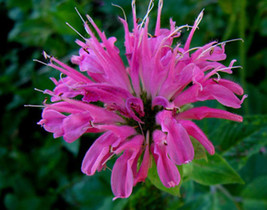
<point>142,113</point>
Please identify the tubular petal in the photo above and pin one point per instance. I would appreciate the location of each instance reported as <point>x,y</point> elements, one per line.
<point>200,113</point>
<point>98,153</point>
<point>167,171</point>
<point>76,125</point>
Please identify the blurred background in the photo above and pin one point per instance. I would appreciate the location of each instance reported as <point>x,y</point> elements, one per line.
<point>39,172</point>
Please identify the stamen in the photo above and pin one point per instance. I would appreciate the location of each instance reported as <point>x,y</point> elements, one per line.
<point>115,5</point>
<point>178,29</point>
<point>108,168</point>
<point>149,9</point>
<point>76,31</point>
<point>219,77</point>
<point>48,92</point>
<point>41,62</point>
<point>233,67</point>
<point>191,49</point>
<point>46,56</point>
<point>199,18</point>
<point>34,106</point>
<point>233,40</point>
<point>220,43</point>
<point>79,15</point>
<point>62,80</point>
<point>42,91</point>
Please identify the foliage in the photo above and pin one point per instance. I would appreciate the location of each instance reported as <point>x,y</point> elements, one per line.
<point>38,172</point>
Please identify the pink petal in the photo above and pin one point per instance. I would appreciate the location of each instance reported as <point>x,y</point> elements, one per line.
<point>236,88</point>
<point>122,176</point>
<point>99,114</point>
<point>221,94</point>
<point>122,179</point>
<point>142,173</point>
<point>67,70</point>
<point>209,91</point>
<point>200,113</point>
<point>180,148</point>
<point>167,171</point>
<point>98,153</point>
<point>194,131</point>
<point>179,79</point>
<point>135,105</point>
<point>75,125</point>
<point>134,144</point>
<point>122,131</point>
<point>52,122</point>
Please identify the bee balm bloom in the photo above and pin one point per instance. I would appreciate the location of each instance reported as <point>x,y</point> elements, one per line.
<point>143,112</point>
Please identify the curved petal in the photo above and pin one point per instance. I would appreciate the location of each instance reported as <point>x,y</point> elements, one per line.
<point>122,179</point>
<point>199,113</point>
<point>98,153</point>
<point>194,131</point>
<point>221,94</point>
<point>52,122</point>
<point>167,171</point>
<point>122,176</point>
<point>179,146</point>
<point>236,88</point>
<point>76,125</point>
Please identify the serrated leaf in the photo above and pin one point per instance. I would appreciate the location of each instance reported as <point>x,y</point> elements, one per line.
<point>214,171</point>
<point>155,180</point>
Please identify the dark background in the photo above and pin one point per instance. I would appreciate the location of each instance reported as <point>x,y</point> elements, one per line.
<point>39,172</point>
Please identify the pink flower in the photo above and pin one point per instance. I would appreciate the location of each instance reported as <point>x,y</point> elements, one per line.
<point>140,107</point>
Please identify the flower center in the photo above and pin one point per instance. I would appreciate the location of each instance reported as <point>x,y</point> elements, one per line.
<point>149,119</point>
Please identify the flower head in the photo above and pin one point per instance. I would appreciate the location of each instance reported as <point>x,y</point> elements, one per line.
<point>144,112</point>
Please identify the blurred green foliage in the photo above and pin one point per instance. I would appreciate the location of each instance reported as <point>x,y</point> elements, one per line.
<point>38,172</point>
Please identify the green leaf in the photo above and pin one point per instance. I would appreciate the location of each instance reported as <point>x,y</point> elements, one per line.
<point>257,189</point>
<point>248,138</point>
<point>155,180</point>
<point>210,201</point>
<point>88,191</point>
<point>255,194</point>
<point>214,171</point>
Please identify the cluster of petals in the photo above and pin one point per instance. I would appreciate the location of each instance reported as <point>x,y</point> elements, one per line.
<point>140,107</point>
